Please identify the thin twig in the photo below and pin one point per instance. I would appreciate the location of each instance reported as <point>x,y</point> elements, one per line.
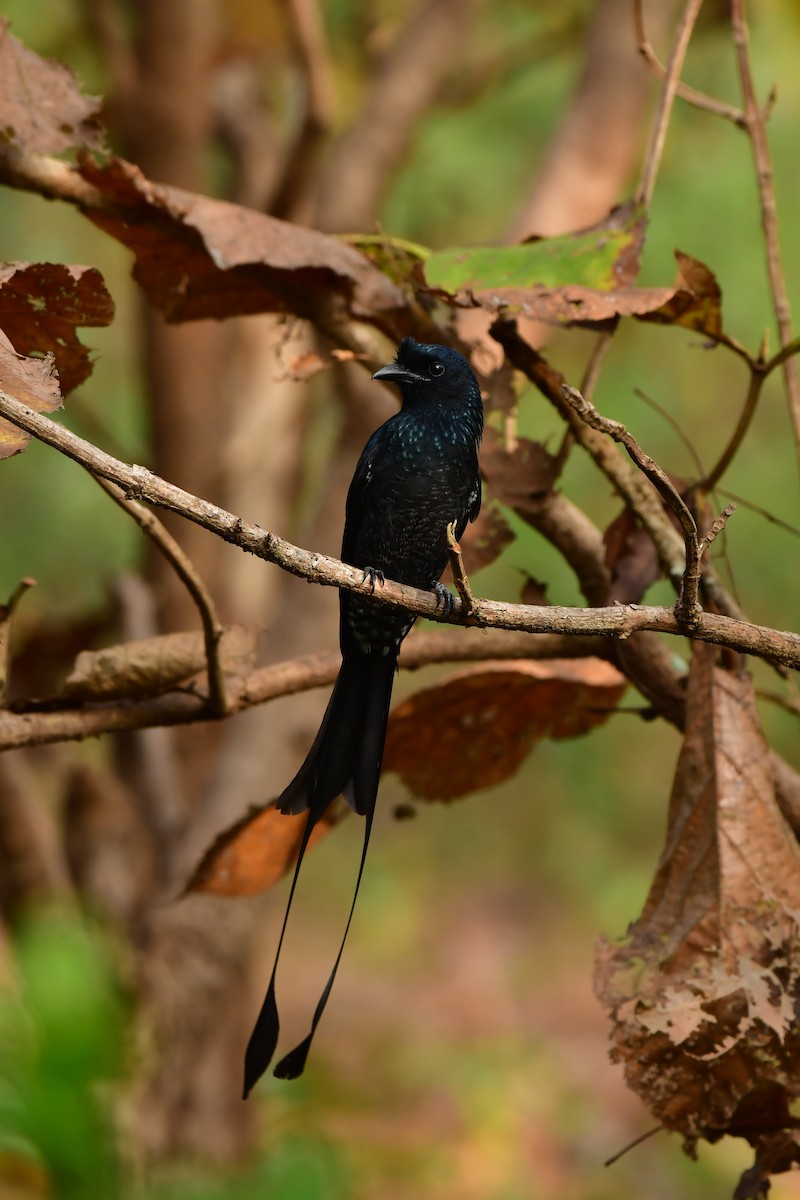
<point>460,578</point>
<point>717,527</point>
<point>6,613</point>
<point>681,434</point>
<point>643,1137</point>
<point>757,132</point>
<point>307,37</point>
<point>762,512</point>
<point>743,424</point>
<point>687,607</point>
<point>629,483</point>
<point>617,621</point>
<point>658,132</point>
<point>219,704</point>
<point>699,99</point>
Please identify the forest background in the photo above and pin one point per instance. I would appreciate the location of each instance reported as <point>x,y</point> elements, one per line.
<point>464,1052</point>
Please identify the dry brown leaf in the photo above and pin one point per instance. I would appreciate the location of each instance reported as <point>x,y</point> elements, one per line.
<point>697,302</point>
<point>34,382</point>
<point>42,109</point>
<point>519,477</point>
<point>198,257</point>
<point>485,539</point>
<point>154,665</point>
<point>694,301</point>
<point>257,851</point>
<point>475,728</point>
<point>41,306</point>
<point>631,557</point>
<point>703,992</point>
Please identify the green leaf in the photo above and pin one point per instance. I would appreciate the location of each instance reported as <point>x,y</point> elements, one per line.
<point>604,258</point>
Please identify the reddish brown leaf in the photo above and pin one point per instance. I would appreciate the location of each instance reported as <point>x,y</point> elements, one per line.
<point>42,109</point>
<point>631,558</point>
<point>41,306</point>
<point>533,592</point>
<point>475,728</point>
<point>518,477</point>
<point>703,992</point>
<point>257,851</point>
<point>485,539</point>
<point>31,380</point>
<point>197,257</point>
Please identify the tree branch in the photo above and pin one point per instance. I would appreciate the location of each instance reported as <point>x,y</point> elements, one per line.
<point>757,132</point>
<point>699,99</point>
<point>71,721</point>
<point>184,569</point>
<point>618,621</point>
<point>658,132</point>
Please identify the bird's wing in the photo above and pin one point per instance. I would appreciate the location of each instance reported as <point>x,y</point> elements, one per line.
<point>358,494</point>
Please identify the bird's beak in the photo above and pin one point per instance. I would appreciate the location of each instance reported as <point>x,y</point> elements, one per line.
<point>394,373</point>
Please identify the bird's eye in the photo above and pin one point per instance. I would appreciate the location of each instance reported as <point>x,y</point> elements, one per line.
<point>436,368</point>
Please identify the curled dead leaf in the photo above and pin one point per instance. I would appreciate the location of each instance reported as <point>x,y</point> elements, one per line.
<point>198,257</point>
<point>34,382</point>
<point>703,992</point>
<point>42,108</point>
<point>475,728</point>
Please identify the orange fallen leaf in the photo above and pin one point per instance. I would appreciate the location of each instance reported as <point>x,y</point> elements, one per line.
<point>257,851</point>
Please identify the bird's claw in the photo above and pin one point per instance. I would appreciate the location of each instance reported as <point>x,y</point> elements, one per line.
<point>374,576</point>
<point>444,598</point>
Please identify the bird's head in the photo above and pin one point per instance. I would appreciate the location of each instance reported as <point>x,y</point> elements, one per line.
<point>428,373</point>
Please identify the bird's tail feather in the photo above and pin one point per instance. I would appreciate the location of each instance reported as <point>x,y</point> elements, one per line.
<point>346,757</point>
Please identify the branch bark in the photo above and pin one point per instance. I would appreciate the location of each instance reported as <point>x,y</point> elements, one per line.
<point>618,621</point>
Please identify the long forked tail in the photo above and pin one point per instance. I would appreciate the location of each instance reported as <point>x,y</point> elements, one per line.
<point>345,758</point>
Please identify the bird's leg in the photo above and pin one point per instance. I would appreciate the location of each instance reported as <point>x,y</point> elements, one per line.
<point>374,576</point>
<point>444,598</point>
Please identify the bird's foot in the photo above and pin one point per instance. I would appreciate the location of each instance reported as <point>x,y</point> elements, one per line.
<point>444,598</point>
<point>374,576</point>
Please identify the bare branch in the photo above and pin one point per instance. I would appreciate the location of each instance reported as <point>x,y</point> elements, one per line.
<point>742,425</point>
<point>629,483</point>
<point>459,574</point>
<point>424,648</point>
<point>307,35</point>
<point>699,99</point>
<point>618,621</point>
<point>658,132</point>
<point>6,614</point>
<point>408,81</point>
<point>687,607</point>
<point>757,132</point>
<point>184,569</point>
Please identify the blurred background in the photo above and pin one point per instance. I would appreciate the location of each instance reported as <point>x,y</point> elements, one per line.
<point>463,1053</point>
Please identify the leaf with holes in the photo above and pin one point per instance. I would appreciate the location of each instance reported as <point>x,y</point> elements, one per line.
<point>703,992</point>
<point>43,304</point>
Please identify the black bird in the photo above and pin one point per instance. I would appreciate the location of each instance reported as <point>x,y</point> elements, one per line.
<point>417,474</point>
